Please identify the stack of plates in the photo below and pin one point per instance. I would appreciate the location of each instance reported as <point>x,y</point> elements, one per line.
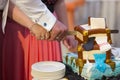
<point>48,70</point>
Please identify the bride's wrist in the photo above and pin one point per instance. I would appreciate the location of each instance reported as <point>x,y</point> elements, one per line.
<point>32,25</point>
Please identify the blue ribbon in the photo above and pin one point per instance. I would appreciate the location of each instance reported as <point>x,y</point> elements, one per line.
<point>100,61</point>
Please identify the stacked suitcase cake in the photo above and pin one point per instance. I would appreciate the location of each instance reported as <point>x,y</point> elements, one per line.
<point>93,59</point>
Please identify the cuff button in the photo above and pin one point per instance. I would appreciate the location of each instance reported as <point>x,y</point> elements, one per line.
<point>45,24</point>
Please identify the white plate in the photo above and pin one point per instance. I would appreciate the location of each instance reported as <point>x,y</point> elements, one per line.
<point>48,66</point>
<point>48,70</point>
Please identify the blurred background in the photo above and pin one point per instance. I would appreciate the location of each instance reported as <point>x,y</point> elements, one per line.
<point>79,11</point>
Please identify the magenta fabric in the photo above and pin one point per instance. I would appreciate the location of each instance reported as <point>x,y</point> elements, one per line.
<point>1,43</point>
<point>21,50</point>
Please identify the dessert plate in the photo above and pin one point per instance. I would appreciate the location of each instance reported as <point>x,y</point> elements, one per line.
<point>48,66</point>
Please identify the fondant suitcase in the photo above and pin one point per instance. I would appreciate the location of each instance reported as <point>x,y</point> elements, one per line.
<point>82,36</point>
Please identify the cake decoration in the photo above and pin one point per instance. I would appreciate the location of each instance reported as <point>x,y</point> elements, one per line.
<point>93,59</point>
<point>100,61</point>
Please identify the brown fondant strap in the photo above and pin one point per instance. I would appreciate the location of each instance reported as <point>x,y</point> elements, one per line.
<point>92,31</point>
<point>66,58</point>
<point>95,31</point>
<point>79,62</point>
<point>79,29</point>
<point>111,63</point>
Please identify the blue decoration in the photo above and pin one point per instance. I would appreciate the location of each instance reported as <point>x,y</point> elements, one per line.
<point>100,61</point>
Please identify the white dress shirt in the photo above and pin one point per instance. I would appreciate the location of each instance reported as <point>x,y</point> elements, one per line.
<point>37,11</point>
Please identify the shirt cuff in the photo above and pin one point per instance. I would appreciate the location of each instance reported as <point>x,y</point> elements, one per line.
<point>47,20</point>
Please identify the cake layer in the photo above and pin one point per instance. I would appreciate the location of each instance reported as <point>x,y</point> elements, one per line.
<point>89,71</point>
<point>94,73</point>
<point>83,54</point>
<point>83,34</point>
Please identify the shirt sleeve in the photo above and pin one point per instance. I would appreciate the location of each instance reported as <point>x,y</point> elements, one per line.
<point>47,20</point>
<point>38,12</point>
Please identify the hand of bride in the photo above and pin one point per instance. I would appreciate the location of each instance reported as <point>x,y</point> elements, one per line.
<point>39,32</point>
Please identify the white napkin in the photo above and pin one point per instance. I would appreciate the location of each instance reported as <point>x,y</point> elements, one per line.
<point>90,65</point>
<point>103,44</point>
<point>116,52</point>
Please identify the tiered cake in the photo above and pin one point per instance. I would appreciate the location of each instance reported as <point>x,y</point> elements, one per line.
<point>94,51</point>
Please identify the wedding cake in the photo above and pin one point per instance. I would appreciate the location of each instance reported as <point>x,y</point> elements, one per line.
<point>93,59</point>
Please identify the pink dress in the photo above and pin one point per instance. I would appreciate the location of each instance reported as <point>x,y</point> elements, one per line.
<point>21,50</point>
